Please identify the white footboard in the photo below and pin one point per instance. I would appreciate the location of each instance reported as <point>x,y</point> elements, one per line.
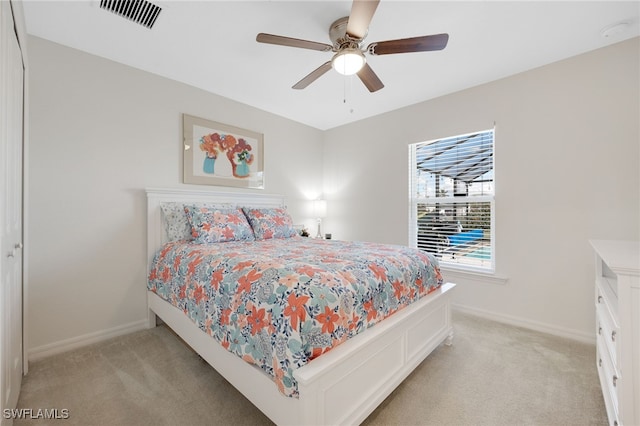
<point>346,384</point>
<point>342,386</point>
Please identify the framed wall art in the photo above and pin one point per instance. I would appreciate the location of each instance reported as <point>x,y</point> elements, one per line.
<point>223,155</point>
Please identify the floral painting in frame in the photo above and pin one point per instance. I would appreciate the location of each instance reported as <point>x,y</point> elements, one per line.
<point>223,155</point>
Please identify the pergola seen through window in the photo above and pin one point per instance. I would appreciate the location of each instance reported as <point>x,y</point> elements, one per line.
<point>451,190</point>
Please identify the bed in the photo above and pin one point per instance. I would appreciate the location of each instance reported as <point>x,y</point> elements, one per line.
<point>353,360</point>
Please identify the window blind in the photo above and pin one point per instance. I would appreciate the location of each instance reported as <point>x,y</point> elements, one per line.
<point>451,187</point>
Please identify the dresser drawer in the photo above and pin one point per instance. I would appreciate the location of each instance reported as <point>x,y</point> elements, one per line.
<point>609,381</point>
<point>607,326</point>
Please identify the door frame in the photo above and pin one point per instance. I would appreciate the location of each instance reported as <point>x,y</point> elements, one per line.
<point>21,33</point>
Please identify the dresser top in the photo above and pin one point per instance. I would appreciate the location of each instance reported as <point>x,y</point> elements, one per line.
<point>622,257</point>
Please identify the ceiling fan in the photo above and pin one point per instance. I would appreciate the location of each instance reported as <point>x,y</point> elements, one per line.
<point>347,35</point>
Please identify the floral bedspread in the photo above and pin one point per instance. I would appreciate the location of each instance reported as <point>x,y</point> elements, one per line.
<point>280,303</point>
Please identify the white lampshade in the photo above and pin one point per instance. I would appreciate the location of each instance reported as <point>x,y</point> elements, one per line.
<point>348,61</point>
<point>319,208</point>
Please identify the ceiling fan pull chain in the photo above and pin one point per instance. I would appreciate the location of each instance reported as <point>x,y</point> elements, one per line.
<point>348,81</point>
<point>344,90</point>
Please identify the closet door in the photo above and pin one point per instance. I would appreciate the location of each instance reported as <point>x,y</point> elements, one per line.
<point>11,158</point>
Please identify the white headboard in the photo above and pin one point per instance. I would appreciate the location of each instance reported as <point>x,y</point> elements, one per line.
<point>156,235</point>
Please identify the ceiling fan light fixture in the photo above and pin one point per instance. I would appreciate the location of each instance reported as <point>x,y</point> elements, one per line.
<point>348,61</point>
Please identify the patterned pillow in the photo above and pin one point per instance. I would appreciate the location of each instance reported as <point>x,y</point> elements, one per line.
<point>270,223</point>
<point>218,225</point>
<point>176,223</point>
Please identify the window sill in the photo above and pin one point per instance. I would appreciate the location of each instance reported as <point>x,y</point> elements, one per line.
<point>451,274</point>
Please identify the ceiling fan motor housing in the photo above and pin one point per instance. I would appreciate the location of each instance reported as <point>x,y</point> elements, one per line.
<point>338,35</point>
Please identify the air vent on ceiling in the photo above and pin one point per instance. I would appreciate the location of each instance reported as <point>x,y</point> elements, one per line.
<point>139,11</point>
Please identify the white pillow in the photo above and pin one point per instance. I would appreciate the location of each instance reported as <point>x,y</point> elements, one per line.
<point>176,224</point>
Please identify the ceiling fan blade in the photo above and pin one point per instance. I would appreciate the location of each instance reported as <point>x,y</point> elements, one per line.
<point>292,42</point>
<point>360,17</point>
<point>370,79</point>
<point>313,76</point>
<point>407,45</point>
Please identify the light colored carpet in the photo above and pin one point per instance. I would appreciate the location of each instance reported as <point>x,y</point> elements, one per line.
<point>494,374</point>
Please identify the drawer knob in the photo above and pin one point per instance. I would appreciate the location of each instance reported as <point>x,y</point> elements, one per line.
<point>613,336</point>
<point>599,299</point>
<point>615,380</point>
<point>599,362</point>
<point>600,331</point>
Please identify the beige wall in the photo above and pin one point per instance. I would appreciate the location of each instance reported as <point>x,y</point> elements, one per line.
<point>567,170</point>
<point>101,132</point>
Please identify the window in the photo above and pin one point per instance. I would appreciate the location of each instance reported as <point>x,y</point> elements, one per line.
<point>451,189</point>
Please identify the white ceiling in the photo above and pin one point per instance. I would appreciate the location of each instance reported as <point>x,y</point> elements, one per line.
<point>211,45</point>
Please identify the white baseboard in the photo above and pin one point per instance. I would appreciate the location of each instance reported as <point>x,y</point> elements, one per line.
<point>579,336</point>
<point>54,348</point>
<point>61,346</point>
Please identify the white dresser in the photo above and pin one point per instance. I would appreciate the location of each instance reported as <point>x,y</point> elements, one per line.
<point>618,328</point>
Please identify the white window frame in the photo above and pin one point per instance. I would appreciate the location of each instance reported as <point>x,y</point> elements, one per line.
<point>414,201</point>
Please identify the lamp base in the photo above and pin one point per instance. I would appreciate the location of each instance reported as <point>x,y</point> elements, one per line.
<point>319,234</point>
